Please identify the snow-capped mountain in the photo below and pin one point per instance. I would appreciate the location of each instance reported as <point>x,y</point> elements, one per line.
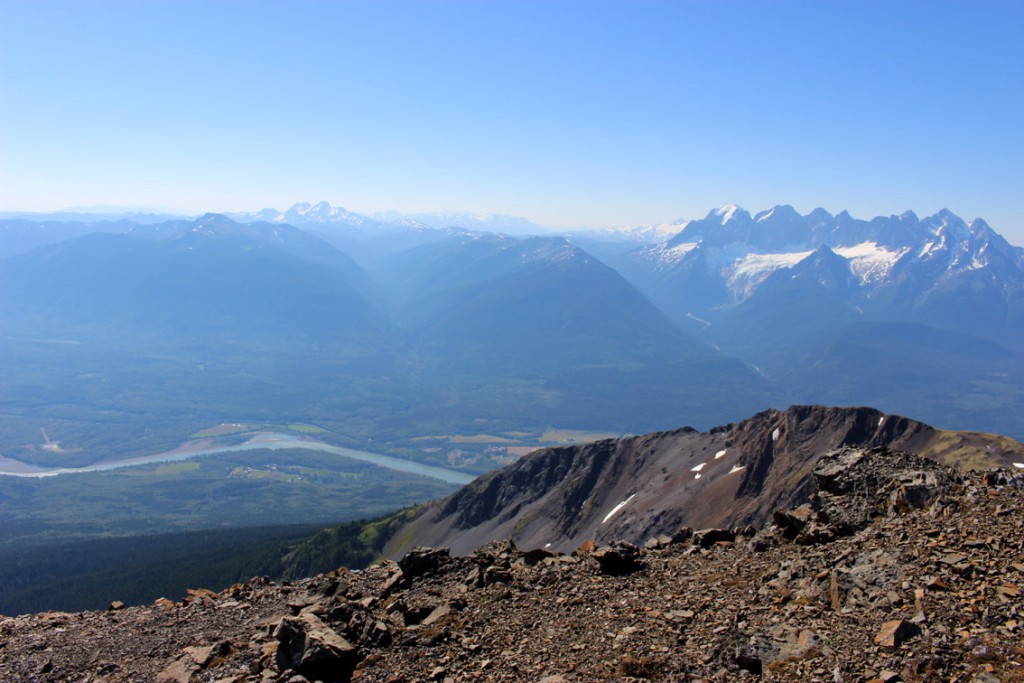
<point>304,214</point>
<point>365,238</point>
<point>939,269</point>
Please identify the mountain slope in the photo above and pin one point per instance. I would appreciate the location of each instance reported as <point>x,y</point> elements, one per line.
<point>914,315</point>
<point>560,329</point>
<point>129,343</point>
<point>227,278</point>
<point>641,486</point>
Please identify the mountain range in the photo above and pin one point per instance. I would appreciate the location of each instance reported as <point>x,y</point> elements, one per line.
<point>454,330</point>
<point>938,270</point>
<point>839,310</point>
<point>198,322</point>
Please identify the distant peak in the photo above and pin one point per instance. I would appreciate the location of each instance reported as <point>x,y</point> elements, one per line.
<point>728,214</point>
<point>207,218</point>
<point>947,217</point>
<point>777,212</point>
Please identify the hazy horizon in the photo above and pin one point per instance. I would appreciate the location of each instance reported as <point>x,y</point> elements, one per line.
<point>570,114</point>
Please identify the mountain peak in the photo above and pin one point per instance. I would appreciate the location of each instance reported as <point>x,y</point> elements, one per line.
<point>783,212</point>
<point>820,215</point>
<point>728,214</point>
<point>213,221</point>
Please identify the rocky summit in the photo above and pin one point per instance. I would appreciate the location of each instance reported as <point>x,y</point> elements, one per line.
<point>894,568</point>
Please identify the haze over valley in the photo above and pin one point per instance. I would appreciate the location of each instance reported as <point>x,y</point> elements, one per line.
<point>458,349</point>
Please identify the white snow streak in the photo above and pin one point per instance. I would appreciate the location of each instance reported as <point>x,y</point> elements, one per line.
<point>726,212</point>
<point>699,467</point>
<point>1019,465</point>
<point>617,508</point>
<point>881,420</point>
<point>737,468</point>
<point>700,320</point>
<point>775,434</point>
<point>720,454</point>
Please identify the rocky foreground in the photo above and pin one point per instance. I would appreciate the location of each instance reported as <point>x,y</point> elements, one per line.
<point>896,569</point>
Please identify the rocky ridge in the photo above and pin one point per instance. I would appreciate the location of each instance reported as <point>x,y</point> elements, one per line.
<point>895,568</point>
<point>632,488</point>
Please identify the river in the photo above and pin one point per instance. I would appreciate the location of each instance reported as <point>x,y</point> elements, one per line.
<point>263,441</point>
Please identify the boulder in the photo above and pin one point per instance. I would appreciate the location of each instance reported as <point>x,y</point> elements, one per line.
<point>896,632</point>
<point>421,561</point>
<point>313,649</point>
<point>618,558</point>
<point>709,537</point>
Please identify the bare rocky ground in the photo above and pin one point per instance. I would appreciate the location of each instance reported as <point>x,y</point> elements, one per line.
<point>896,569</point>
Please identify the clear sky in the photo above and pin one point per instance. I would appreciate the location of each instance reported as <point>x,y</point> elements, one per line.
<point>568,113</point>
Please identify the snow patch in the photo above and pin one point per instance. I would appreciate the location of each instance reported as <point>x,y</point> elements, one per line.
<point>669,256</point>
<point>617,508</point>
<point>696,476</point>
<point>869,261</point>
<point>720,454</point>
<point>881,421</point>
<point>726,212</point>
<point>756,264</point>
<point>775,434</point>
<point>1019,465</point>
<point>699,467</point>
<point>748,272</point>
<point>737,468</point>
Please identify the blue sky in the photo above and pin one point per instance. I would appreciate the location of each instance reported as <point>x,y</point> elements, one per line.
<point>568,113</point>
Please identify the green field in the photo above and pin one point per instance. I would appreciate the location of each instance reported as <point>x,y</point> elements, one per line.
<point>306,429</point>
